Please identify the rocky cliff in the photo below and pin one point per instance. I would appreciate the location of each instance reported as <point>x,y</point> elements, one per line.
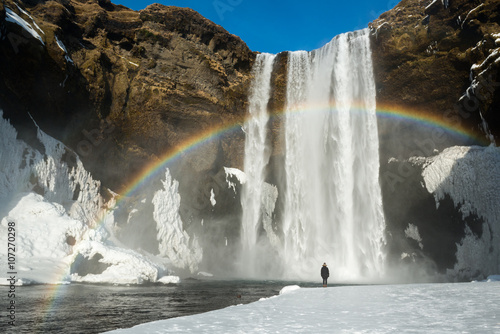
<point>438,61</point>
<point>122,87</point>
<point>439,58</point>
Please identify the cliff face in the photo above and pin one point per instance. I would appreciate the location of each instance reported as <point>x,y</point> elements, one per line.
<point>122,87</point>
<point>438,60</point>
<point>439,57</point>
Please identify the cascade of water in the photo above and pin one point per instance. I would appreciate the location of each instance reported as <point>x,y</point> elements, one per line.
<point>333,210</point>
<point>332,204</point>
<point>257,153</point>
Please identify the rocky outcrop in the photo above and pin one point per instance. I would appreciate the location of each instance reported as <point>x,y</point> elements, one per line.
<point>437,61</point>
<point>439,57</point>
<point>121,87</point>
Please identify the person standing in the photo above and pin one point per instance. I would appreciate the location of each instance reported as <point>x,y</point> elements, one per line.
<point>325,273</point>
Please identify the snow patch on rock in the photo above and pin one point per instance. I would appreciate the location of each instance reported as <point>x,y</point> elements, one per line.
<point>12,17</point>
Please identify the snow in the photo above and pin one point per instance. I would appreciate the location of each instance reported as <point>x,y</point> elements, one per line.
<point>412,308</point>
<point>380,26</point>
<point>62,47</point>
<point>135,64</point>
<point>497,38</point>
<point>288,289</point>
<point>411,232</point>
<point>493,54</point>
<point>32,20</point>
<point>431,4</point>
<point>70,220</point>
<point>471,177</point>
<point>174,241</point>
<point>212,197</point>
<point>125,266</point>
<point>169,280</point>
<point>41,249</point>
<point>238,174</point>
<point>14,18</point>
<point>480,81</point>
<point>472,11</point>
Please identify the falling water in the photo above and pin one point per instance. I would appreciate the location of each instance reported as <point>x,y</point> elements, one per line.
<point>257,153</point>
<point>332,208</point>
<point>333,211</point>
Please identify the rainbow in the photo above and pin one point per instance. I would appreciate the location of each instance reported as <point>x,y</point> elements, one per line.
<point>191,144</point>
<point>452,125</point>
<point>446,125</point>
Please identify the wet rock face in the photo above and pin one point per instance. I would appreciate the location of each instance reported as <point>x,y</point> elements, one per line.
<point>123,87</point>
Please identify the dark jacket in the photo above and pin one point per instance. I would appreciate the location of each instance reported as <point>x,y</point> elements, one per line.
<point>325,273</point>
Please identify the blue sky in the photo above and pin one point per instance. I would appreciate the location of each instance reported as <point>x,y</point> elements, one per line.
<point>275,26</point>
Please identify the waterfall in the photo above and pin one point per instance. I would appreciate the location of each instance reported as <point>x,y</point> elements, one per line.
<point>333,211</point>
<point>332,208</point>
<point>257,153</point>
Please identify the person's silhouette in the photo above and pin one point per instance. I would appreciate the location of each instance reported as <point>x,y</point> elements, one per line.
<point>325,273</point>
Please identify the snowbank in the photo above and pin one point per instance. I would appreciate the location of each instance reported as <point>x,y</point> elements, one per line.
<point>425,308</point>
<point>289,288</point>
<point>41,249</point>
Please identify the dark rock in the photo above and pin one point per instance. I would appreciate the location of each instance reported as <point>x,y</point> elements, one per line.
<point>138,83</point>
<point>84,266</point>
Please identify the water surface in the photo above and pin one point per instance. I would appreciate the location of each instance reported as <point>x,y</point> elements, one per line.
<point>84,308</point>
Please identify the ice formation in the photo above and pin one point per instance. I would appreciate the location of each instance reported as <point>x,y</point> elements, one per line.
<point>236,173</point>
<point>49,202</point>
<point>59,216</point>
<point>174,241</point>
<point>471,177</point>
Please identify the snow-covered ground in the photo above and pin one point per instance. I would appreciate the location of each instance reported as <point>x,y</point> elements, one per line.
<point>412,308</point>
